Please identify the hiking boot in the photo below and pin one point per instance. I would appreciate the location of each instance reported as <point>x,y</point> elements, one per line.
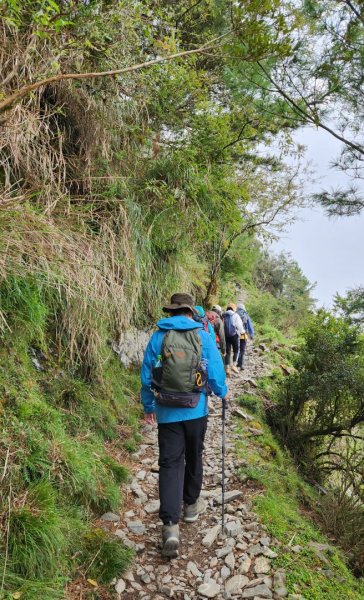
<point>235,369</point>
<point>228,371</point>
<point>170,540</point>
<point>191,511</point>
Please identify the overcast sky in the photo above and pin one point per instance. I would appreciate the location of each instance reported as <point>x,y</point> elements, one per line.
<point>329,251</point>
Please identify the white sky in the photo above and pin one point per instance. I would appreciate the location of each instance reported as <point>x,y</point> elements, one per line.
<point>329,251</point>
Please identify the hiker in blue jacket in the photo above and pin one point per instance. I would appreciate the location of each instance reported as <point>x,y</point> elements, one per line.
<point>181,415</point>
<point>248,333</point>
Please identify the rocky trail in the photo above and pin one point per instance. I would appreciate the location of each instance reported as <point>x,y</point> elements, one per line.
<point>210,565</point>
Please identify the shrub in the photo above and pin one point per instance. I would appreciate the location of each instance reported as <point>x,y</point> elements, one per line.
<point>320,414</point>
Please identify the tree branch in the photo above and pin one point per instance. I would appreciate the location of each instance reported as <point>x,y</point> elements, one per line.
<point>11,100</point>
<point>182,16</point>
<point>354,9</point>
<point>239,138</point>
<point>310,118</point>
<point>333,430</point>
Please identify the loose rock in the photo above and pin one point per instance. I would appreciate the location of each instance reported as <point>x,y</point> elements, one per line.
<point>136,527</point>
<point>233,528</point>
<point>230,561</point>
<point>209,590</point>
<point>110,517</point>
<point>255,550</point>
<point>120,586</point>
<point>262,565</point>
<point>192,568</point>
<point>235,584</point>
<point>210,536</point>
<point>152,506</point>
<point>279,583</point>
<point>245,565</point>
<point>229,496</point>
<point>270,553</point>
<point>262,591</point>
<point>225,572</point>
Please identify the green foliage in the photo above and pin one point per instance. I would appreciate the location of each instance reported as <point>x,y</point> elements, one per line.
<point>319,415</point>
<point>252,403</point>
<point>59,473</point>
<point>351,306</point>
<point>279,505</point>
<point>103,556</point>
<point>164,153</point>
<point>278,294</point>
<point>23,305</point>
<point>37,541</point>
<point>324,396</point>
<point>342,203</point>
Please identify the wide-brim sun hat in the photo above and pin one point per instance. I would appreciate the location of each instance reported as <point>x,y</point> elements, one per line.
<point>180,300</point>
<point>217,307</point>
<point>231,305</point>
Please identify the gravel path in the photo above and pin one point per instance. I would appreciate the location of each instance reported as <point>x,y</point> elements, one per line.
<point>210,565</point>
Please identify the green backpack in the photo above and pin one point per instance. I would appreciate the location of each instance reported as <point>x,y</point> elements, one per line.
<point>179,377</point>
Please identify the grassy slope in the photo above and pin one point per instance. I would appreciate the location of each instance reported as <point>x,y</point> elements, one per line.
<point>283,506</point>
<point>63,441</point>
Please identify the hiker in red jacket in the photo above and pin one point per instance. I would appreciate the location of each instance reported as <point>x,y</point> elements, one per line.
<point>215,318</point>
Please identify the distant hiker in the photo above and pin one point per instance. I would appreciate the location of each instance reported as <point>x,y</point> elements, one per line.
<point>215,318</point>
<point>233,329</point>
<point>180,361</point>
<point>201,317</point>
<point>248,333</point>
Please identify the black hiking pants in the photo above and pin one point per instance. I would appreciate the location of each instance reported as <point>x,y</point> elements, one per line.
<point>242,348</point>
<point>180,465</point>
<point>232,343</point>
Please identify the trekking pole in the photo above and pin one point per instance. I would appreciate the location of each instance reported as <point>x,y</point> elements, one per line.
<point>223,465</point>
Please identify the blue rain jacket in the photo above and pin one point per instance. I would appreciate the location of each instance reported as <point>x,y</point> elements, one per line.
<point>215,371</point>
<point>201,312</point>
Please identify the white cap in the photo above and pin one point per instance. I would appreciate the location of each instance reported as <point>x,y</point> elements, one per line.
<point>241,306</point>
<point>217,307</point>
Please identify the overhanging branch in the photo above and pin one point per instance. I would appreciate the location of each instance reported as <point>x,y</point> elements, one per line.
<point>11,100</point>
<point>313,119</point>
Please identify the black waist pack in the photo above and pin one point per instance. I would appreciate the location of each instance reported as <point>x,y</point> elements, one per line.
<point>177,399</point>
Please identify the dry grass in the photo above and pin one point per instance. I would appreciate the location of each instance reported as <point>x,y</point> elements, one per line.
<point>57,221</point>
<point>89,273</point>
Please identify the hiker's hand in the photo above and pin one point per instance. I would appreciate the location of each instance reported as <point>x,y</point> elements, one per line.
<point>149,418</point>
<point>226,399</point>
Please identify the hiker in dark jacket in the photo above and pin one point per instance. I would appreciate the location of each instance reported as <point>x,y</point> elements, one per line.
<point>219,329</point>
<point>248,333</point>
<point>181,429</point>
<point>233,329</point>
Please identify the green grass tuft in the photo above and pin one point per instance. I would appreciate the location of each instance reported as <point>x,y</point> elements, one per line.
<point>37,540</point>
<point>251,402</point>
<point>103,556</point>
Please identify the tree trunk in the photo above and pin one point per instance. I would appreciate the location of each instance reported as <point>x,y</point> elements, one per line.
<point>212,288</point>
